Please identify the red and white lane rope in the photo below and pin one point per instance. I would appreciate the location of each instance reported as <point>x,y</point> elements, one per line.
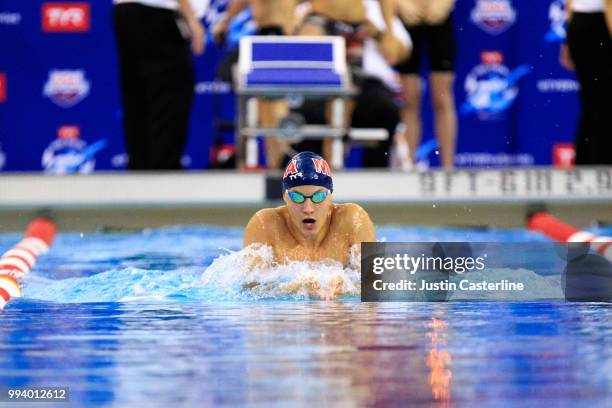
<point>559,231</point>
<point>17,261</point>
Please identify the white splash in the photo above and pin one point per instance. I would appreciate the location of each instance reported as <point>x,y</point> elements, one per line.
<point>252,272</point>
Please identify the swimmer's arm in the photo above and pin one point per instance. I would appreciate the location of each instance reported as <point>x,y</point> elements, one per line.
<point>253,236</point>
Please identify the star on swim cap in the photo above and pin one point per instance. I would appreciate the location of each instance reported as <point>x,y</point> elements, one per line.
<point>307,169</point>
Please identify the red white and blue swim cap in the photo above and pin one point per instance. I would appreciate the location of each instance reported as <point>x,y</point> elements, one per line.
<point>307,169</point>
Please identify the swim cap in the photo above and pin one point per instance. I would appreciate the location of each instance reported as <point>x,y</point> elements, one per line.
<point>307,169</point>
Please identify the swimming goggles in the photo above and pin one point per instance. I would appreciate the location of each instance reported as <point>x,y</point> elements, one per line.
<point>316,198</point>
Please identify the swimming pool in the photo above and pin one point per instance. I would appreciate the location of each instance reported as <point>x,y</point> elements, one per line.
<point>148,319</point>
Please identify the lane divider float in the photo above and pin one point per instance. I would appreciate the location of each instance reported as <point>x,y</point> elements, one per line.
<point>19,260</point>
<point>558,230</point>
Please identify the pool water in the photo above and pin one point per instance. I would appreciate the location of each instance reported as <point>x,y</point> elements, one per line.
<point>160,317</point>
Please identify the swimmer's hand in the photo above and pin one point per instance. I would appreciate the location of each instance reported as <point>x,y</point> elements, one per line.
<point>312,287</point>
<point>334,290</point>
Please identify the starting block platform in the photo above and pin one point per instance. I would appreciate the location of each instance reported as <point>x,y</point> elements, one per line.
<point>272,67</point>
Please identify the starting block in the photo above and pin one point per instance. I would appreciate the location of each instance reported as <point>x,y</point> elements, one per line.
<point>295,66</point>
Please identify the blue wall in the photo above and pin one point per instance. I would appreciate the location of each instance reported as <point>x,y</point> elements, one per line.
<point>63,82</point>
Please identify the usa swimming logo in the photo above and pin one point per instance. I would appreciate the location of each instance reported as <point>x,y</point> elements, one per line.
<point>69,154</point>
<point>66,88</point>
<point>491,87</point>
<point>558,22</point>
<point>493,16</point>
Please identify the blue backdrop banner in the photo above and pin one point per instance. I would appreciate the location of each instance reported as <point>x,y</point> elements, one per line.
<point>60,110</point>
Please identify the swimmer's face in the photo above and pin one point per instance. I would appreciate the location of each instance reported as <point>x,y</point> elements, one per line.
<point>309,217</point>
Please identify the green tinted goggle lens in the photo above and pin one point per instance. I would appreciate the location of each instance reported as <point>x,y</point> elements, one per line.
<point>316,198</point>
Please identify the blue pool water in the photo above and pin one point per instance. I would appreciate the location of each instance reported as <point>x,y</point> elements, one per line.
<point>158,317</point>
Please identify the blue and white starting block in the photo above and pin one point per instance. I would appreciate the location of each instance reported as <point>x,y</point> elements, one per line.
<point>293,66</point>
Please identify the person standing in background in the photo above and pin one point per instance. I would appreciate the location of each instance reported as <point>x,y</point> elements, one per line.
<point>430,25</point>
<point>272,17</point>
<point>157,76</point>
<point>588,51</point>
<point>349,19</point>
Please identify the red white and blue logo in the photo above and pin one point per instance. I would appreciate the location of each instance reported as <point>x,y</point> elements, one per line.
<point>69,154</point>
<point>493,16</point>
<point>66,88</point>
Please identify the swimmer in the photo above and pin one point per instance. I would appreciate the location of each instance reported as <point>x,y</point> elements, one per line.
<point>310,226</point>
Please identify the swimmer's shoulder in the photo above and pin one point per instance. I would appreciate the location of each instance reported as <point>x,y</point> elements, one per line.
<point>261,227</point>
<point>268,217</point>
<point>349,211</point>
<point>353,217</point>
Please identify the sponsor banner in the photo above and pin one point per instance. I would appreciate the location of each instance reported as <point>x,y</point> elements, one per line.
<point>447,271</point>
<point>66,88</point>
<point>65,17</point>
<point>493,16</point>
<point>503,123</point>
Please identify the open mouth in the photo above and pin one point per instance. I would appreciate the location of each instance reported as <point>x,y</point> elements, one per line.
<point>309,222</point>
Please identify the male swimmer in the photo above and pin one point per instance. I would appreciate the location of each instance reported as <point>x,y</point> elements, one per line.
<point>310,226</point>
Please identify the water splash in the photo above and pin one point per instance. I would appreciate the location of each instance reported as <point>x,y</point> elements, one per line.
<point>248,274</point>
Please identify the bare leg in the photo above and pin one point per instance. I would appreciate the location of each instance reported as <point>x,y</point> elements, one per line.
<point>445,115</point>
<point>349,106</point>
<point>411,113</point>
<point>270,113</point>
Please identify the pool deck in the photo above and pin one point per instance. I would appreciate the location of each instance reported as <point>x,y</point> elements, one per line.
<point>470,198</point>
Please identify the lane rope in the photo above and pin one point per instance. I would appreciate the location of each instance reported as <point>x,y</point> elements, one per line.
<point>21,258</point>
<point>560,231</point>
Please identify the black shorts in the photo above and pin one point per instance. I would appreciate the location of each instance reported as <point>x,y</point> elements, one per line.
<point>270,30</point>
<point>439,42</point>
